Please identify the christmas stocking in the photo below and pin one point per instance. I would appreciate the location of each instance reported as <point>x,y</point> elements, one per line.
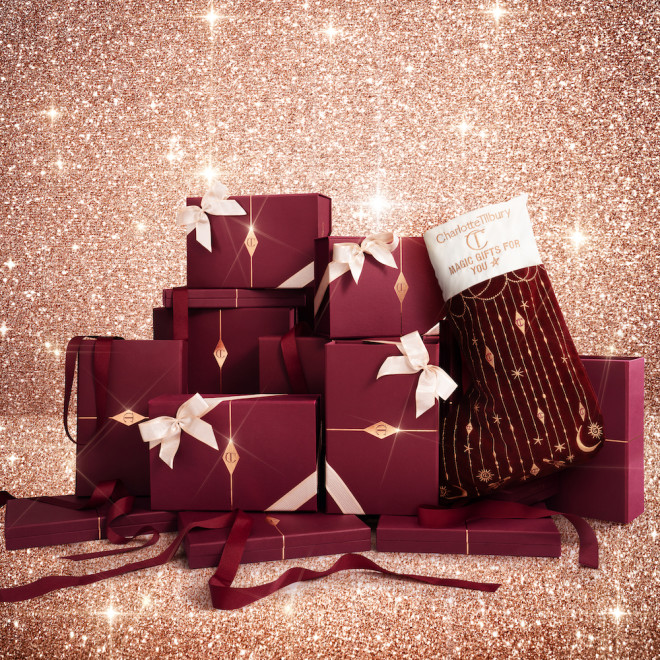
<point>531,409</point>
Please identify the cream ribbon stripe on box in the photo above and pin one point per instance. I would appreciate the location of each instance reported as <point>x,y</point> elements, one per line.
<point>350,256</point>
<point>215,202</point>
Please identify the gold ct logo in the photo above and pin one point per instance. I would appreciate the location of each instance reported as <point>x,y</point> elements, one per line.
<point>251,242</point>
<point>474,240</point>
<point>220,353</point>
<point>231,456</point>
<point>381,430</point>
<point>128,417</point>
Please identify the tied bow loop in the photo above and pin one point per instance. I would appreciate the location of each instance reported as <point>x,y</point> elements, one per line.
<point>166,431</point>
<point>214,202</point>
<point>434,382</point>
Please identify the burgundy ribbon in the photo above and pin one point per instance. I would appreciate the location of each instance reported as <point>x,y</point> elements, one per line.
<point>101,367</point>
<point>223,595</point>
<point>292,363</point>
<point>435,517</point>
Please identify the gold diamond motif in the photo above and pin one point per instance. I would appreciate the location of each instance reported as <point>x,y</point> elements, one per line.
<point>381,430</point>
<point>520,323</point>
<point>272,521</point>
<point>401,287</point>
<point>230,457</point>
<point>251,241</point>
<point>128,417</point>
<point>582,411</point>
<point>490,358</point>
<point>220,353</point>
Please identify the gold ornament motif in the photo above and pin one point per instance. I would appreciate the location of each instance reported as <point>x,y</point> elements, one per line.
<point>128,418</point>
<point>560,446</point>
<point>537,441</point>
<point>541,415</point>
<point>485,475</point>
<point>517,373</point>
<point>220,353</point>
<point>230,457</point>
<point>381,430</point>
<point>251,242</point>
<point>467,448</point>
<point>582,411</point>
<point>490,358</point>
<point>520,323</point>
<point>469,428</point>
<point>401,287</point>
<point>595,430</point>
<point>581,446</point>
<point>535,469</point>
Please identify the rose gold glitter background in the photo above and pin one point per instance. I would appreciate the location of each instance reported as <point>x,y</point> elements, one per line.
<point>111,112</point>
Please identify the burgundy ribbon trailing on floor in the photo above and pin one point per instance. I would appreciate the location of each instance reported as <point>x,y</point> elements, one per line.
<point>292,363</point>
<point>223,595</point>
<point>429,516</point>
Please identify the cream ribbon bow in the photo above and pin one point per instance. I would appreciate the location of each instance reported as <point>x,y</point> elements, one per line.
<point>433,383</point>
<point>350,256</point>
<point>214,202</point>
<point>166,431</point>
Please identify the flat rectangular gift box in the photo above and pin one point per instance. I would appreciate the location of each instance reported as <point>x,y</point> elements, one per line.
<point>29,523</point>
<point>611,485</point>
<point>264,248</point>
<point>385,301</point>
<point>278,536</point>
<point>113,448</point>
<point>266,458</point>
<point>223,329</point>
<point>273,375</point>
<point>518,538</point>
<point>380,458</point>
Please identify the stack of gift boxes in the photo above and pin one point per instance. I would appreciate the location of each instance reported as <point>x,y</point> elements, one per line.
<point>234,404</point>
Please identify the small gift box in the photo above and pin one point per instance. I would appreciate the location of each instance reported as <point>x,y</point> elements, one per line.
<point>223,327</point>
<point>278,536</point>
<point>382,419</point>
<point>278,375</point>
<point>255,453</point>
<point>380,286</point>
<point>611,485</point>
<point>519,538</point>
<point>112,399</point>
<point>30,523</point>
<point>256,241</point>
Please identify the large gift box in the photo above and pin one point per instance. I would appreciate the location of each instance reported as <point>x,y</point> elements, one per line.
<point>520,538</point>
<point>278,536</point>
<point>30,523</point>
<point>109,445</point>
<point>611,485</point>
<point>270,246</point>
<point>380,456</point>
<point>223,327</point>
<point>257,453</point>
<point>388,299</point>
<point>276,375</point>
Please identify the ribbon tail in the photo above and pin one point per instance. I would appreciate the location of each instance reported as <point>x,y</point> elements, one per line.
<point>340,492</point>
<point>202,431</point>
<point>396,365</point>
<point>300,279</point>
<point>203,234</point>
<point>168,449</point>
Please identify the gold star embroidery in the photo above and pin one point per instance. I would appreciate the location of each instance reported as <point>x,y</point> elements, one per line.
<point>497,419</point>
<point>570,458</point>
<point>560,446</point>
<point>475,341</point>
<point>537,441</point>
<point>517,373</point>
<point>524,304</point>
<point>495,262</point>
<point>476,407</point>
<point>564,359</point>
<point>443,491</point>
<point>467,448</point>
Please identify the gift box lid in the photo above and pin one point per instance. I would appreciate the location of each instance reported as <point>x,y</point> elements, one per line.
<point>27,518</point>
<point>541,531</point>
<point>298,529</point>
<point>237,298</point>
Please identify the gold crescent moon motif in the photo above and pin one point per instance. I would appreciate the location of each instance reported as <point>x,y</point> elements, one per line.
<point>455,497</point>
<point>581,445</point>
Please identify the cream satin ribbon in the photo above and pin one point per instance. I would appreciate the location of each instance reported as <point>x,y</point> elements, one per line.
<point>297,496</point>
<point>350,256</point>
<point>433,383</point>
<point>166,431</point>
<point>340,492</point>
<point>300,279</point>
<point>214,202</point>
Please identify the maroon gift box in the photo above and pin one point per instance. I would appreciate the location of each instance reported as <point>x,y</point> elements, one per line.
<point>112,448</point>
<point>223,329</point>
<point>380,458</point>
<point>611,485</point>
<point>278,536</point>
<point>262,249</point>
<point>267,447</point>
<point>29,523</point>
<point>386,301</point>
<point>518,538</point>
<point>273,376</point>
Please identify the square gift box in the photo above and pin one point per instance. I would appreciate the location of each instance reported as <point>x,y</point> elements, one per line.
<point>30,523</point>
<point>386,301</point>
<point>223,327</point>
<point>271,246</point>
<point>380,457</point>
<point>611,485</point>
<point>278,536</point>
<point>111,448</point>
<point>512,537</point>
<point>273,372</point>
<point>266,456</point>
